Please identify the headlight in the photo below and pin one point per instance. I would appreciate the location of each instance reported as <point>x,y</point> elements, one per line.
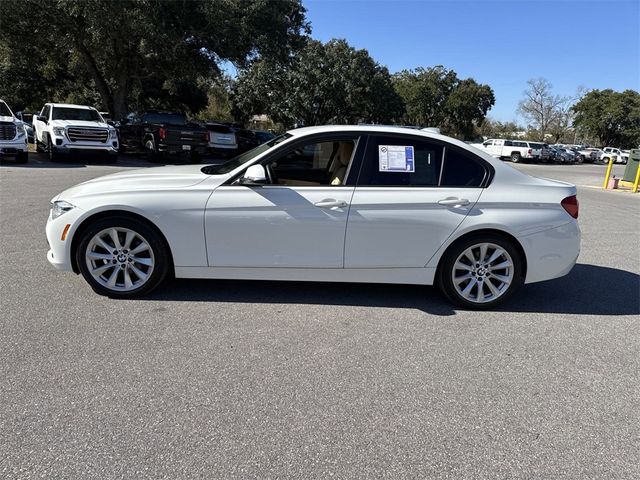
<point>58,131</point>
<point>20,130</point>
<point>60,207</point>
<point>112,132</point>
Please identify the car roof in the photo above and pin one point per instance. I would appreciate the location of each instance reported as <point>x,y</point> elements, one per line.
<point>71,105</point>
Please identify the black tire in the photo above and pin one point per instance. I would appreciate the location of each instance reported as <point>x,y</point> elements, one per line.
<point>446,271</point>
<point>151,151</point>
<point>516,157</point>
<point>162,259</point>
<point>22,157</point>
<point>38,145</point>
<point>194,158</point>
<point>580,158</point>
<point>53,156</point>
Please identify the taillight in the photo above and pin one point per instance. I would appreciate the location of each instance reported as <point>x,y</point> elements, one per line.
<point>570,204</point>
<point>162,133</point>
<point>530,151</point>
<point>206,136</point>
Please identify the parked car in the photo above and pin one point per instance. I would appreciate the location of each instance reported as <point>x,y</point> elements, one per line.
<point>13,136</point>
<point>568,155</point>
<point>162,134</point>
<point>246,139</point>
<point>616,154</point>
<point>334,203</point>
<point>515,150</point>
<point>263,136</point>
<point>61,129</point>
<point>221,139</point>
<point>540,151</point>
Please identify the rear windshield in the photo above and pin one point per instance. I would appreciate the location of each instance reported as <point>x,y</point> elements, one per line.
<point>535,145</point>
<point>66,113</point>
<point>218,128</point>
<point>166,118</point>
<point>4,110</point>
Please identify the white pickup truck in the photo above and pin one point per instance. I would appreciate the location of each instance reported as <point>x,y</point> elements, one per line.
<point>618,156</point>
<point>515,150</point>
<point>13,136</point>
<point>61,129</point>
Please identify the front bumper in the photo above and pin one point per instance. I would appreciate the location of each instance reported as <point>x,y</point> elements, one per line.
<point>551,253</point>
<point>13,147</point>
<point>59,254</point>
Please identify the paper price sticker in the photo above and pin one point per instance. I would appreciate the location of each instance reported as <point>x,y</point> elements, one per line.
<point>395,158</point>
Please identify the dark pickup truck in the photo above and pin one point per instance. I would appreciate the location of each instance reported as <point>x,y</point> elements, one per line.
<point>159,134</point>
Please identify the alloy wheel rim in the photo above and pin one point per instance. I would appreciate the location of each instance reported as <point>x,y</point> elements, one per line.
<point>119,259</point>
<point>483,273</point>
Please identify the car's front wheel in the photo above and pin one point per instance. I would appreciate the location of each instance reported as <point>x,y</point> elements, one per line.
<point>481,272</point>
<point>121,257</point>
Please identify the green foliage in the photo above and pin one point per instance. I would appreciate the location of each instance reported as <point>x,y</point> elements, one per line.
<point>611,117</point>
<point>436,97</point>
<point>322,83</point>
<point>136,52</point>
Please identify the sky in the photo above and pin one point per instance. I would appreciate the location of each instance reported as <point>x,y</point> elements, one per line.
<point>591,44</point>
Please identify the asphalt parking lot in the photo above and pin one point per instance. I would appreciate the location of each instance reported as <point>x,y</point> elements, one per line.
<point>231,379</point>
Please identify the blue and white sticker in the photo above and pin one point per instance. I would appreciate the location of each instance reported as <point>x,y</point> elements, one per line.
<point>396,158</point>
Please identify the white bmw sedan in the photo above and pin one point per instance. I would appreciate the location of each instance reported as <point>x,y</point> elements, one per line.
<point>329,204</point>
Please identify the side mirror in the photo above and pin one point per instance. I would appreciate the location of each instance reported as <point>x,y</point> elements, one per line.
<point>255,175</point>
<point>111,122</point>
<point>124,121</point>
<point>41,118</point>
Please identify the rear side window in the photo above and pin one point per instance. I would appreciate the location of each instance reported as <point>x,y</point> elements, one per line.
<point>461,169</point>
<point>385,153</point>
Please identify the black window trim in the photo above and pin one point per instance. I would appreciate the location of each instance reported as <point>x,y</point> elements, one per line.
<point>353,170</point>
<point>488,168</point>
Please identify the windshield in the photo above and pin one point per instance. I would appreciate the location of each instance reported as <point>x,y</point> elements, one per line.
<point>4,110</point>
<point>166,118</point>
<point>86,114</point>
<point>244,158</point>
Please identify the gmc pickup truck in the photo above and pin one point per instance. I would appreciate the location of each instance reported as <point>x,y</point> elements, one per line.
<point>13,136</point>
<point>61,129</point>
<point>159,134</point>
<point>515,150</point>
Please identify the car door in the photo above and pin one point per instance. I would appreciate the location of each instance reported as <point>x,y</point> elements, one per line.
<point>298,220</point>
<point>399,219</point>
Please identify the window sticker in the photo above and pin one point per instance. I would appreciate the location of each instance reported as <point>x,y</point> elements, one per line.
<point>396,158</point>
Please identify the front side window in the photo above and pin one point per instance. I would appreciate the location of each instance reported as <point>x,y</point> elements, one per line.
<point>401,161</point>
<point>321,162</point>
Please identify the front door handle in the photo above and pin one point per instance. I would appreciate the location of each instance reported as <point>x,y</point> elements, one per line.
<point>454,202</point>
<point>330,203</point>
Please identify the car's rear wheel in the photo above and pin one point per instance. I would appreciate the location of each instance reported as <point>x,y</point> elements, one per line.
<point>122,258</point>
<point>151,151</point>
<point>516,157</point>
<point>481,272</point>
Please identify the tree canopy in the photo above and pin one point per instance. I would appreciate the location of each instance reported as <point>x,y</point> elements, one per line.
<point>611,117</point>
<point>140,52</point>
<point>323,83</point>
<point>437,97</point>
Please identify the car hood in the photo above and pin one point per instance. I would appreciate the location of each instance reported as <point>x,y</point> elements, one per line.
<point>4,118</point>
<point>148,179</point>
<point>78,123</point>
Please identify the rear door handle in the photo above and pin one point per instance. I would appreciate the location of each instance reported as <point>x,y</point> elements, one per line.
<point>331,204</point>
<point>454,202</point>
